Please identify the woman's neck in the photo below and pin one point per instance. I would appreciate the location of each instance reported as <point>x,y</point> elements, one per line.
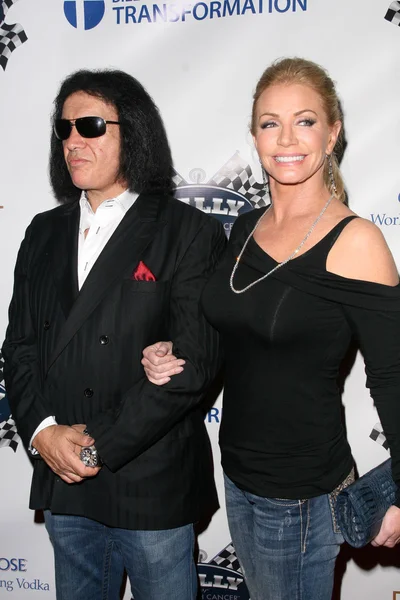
<point>290,201</point>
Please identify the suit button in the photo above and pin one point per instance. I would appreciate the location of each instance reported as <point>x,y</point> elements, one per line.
<point>46,325</point>
<point>104,339</point>
<point>88,393</point>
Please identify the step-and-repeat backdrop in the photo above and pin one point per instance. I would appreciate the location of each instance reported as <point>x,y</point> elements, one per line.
<point>200,61</point>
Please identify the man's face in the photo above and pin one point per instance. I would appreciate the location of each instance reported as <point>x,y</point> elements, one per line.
<point>93,163</point>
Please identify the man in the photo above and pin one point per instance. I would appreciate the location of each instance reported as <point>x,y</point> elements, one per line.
<point>123,467</point>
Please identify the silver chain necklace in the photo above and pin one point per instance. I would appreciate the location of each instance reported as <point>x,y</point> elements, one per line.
<point>279,265</point>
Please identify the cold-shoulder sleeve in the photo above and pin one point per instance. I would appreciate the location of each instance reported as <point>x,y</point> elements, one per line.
<point>373,313</point>
<point>378,334</point>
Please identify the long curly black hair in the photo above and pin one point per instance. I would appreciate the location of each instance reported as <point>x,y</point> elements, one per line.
<point>145,160</point>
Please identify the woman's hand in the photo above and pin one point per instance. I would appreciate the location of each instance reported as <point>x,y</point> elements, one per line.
<point>389,533</point>
<point>160,364</point>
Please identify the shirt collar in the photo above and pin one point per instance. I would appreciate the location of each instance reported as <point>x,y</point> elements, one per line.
<point>108,211</point>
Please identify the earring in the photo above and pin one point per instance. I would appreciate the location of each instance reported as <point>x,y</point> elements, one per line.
<point>264,175</point>
<point>331,175</point>
<point>265,195</point>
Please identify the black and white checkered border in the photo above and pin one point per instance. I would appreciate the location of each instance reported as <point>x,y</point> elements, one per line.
<point>9,435</point>
<point>11,36</point>
<point>393,13</point>
<point>227,558</point>
<point>378,436</point>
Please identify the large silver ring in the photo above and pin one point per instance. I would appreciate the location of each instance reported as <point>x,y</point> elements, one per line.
<point>89,456</point>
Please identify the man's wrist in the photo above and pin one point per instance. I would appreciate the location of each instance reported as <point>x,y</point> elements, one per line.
<point>48,422</point>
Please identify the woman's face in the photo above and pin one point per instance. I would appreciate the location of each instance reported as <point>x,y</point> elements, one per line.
<point>292,134</point>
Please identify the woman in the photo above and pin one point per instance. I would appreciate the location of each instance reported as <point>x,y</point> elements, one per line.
<point>299,280</point>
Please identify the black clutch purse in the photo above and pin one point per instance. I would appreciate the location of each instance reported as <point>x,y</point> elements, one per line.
<point>361,506</point>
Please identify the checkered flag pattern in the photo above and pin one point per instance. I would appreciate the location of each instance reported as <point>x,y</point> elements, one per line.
<point>8,430</point>
<point>9,435</point>
<point>237,175</point>
<point>227,558</point>
<point>378,436</point>
<point>11,36</point>
<point>393,13</point>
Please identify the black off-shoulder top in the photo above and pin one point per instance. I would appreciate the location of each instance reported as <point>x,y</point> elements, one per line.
<point>282,434</point>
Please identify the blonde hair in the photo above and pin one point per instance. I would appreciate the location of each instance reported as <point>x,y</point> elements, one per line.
<point>286,71</point>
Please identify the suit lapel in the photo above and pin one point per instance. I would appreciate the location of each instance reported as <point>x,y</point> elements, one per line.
<point>136,230</point>
<point>64,256</point>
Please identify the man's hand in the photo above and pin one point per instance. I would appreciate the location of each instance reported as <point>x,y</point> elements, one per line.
<point>160,364</point>
<point>389,533</point>
<point>81,428</point>
<point>59,446</point>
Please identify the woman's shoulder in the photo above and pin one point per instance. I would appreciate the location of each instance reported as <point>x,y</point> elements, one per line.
<point>361,252</point>
<point>362,235</point>
<point>363,227</point>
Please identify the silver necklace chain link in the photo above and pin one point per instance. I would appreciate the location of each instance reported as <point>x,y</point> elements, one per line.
<point>279,265</point>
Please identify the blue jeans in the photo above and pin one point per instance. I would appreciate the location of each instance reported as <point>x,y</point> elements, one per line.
<point>90,559</point>
<point>287,548</point>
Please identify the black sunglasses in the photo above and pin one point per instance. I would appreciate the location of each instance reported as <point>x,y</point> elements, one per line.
<point>87,127</point>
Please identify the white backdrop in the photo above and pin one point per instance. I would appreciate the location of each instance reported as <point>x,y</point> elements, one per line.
<point>200,62</point>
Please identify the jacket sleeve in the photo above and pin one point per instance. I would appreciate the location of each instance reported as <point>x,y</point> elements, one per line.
<point>378,334</point>
<point>147,412</point>
<point>21,367</point>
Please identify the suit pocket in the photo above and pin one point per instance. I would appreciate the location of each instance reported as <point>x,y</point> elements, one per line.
<point>144,287</point>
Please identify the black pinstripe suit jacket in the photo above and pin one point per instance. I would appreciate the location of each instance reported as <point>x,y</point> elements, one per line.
<point>158,471</point>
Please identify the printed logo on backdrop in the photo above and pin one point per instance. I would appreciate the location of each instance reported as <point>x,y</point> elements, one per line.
<point>84,14</point>
<point>11,36</point>
<point>8,431</point>
<point>393,15</point>
<point>13,576</point>
<point>233,190</point>
<point>222,577</point>
<point>386,219</point>
<point>150,12</point>
<point>213,416</point>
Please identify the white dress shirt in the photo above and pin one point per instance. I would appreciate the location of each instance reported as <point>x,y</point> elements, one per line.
<point>100,225</point>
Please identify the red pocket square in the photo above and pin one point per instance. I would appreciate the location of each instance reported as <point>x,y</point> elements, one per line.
<point>142,273</point>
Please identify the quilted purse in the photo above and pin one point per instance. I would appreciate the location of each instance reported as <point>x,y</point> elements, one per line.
<point>361,506</point>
